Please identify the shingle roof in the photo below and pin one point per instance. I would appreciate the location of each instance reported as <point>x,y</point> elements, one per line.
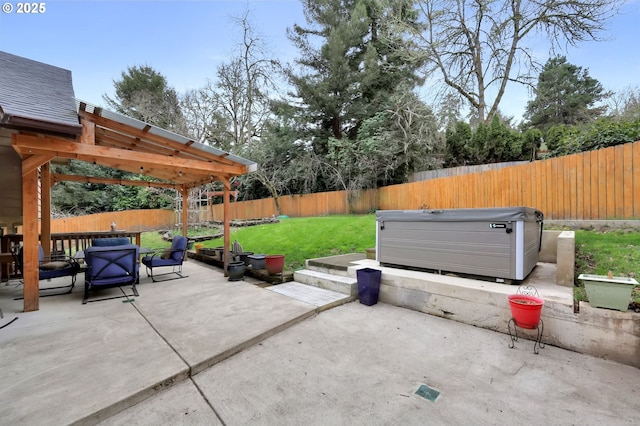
<point>36,95</point>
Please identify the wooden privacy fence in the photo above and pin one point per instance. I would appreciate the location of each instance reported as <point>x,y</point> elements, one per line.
<point>130,220</point>
<point>594,185</point>
<point>602,184</point>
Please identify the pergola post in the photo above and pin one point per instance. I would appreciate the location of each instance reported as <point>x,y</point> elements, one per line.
<point>45,208</point>
<point>185,210</point>
<point>30,240</point>
<point>226,227</point>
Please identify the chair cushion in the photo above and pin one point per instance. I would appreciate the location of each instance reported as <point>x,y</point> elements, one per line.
<point>178,245</point>
<point>123,279</point>
<point>52,266</point>
<point>112,241</point>
<point>153,262</point>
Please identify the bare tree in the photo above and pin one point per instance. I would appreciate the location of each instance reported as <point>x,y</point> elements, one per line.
<point>201,109</point>
<point>625,104</point>
<point>478,46</point>
<point>416,132</point>
<point>243,87</point>
<point>230,111</point>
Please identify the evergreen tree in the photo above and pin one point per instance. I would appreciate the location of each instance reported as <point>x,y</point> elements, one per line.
<point>532,139</point>
<point>352,82</point>
<point>458,142</point>
<point>498,138</point>
<point>479,143</point>
<point>565,94</point>
<point>144,94</point>
<point>352,60</point>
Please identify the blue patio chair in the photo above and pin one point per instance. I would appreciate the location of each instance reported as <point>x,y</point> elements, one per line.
<point>56,266</point>
<point>170,257</point>
<point>111,266</point>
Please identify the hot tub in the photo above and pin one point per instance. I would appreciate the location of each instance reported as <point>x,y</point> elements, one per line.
<point>500,243</point>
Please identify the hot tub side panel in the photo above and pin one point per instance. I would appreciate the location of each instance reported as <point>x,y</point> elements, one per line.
<point>474,248</point>
<point>532,235</point>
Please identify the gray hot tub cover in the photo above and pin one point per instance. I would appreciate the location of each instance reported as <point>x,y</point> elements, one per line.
<point>499,214</point>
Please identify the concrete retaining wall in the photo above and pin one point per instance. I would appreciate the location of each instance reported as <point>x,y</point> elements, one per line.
<point>559,247</point>
<point>599,332</point>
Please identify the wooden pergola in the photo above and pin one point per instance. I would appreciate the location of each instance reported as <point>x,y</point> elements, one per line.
<point>113,140</point>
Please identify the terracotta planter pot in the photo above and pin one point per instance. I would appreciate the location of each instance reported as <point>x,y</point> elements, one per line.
<point>274,263</point>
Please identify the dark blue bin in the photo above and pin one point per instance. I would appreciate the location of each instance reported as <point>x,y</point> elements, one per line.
<point>368,285</point>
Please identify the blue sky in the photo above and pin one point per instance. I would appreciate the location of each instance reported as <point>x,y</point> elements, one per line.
<point>186,40</point>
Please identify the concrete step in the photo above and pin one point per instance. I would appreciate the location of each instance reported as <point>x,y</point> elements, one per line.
<point>334,265</point>
<point>341,284</point>
<point>322,298</point>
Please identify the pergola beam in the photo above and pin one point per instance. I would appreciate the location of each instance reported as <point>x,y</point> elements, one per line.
<point>121,158</point>
<point>31,163</point>
<point>59,177</point>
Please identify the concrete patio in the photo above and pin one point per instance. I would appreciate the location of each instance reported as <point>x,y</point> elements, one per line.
<point>203,350</point>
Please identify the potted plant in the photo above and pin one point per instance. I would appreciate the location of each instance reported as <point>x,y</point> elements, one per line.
<point>607,291</point>
<point>274,263</point>
<point>219,252</point>
<point>257,261</point>
<point>236,270</point>
<point>525,310</point>
<point>244,257</point>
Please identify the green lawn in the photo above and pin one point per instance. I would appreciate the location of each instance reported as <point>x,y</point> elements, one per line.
<point>597,252</point>
<point>298,238</point>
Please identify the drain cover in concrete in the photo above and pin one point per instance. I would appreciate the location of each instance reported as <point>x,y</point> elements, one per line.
<point>428,393</point>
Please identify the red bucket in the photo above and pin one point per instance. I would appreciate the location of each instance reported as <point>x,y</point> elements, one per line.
<point>525,310</point>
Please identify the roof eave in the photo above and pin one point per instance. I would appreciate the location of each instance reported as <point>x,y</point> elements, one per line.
<point>30,124</point>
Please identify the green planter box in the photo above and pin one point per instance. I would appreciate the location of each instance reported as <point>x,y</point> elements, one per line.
<point>610,293</point>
